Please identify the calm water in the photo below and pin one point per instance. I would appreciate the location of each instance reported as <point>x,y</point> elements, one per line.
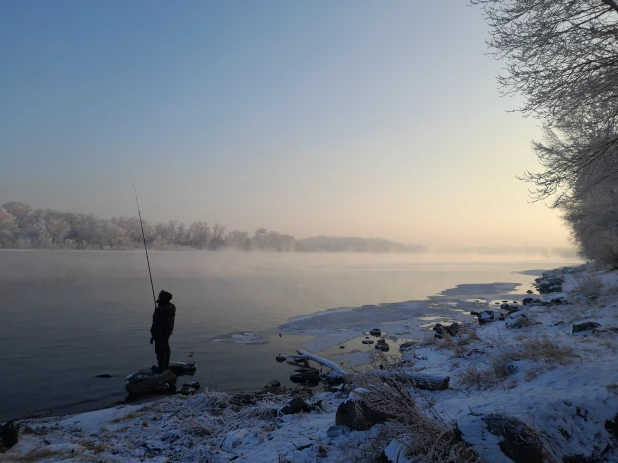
<point>69,316</point>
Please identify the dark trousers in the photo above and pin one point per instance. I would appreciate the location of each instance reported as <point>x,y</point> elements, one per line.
<point>163,352</point>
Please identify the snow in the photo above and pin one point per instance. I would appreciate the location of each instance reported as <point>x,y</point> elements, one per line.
<point>564,386</point>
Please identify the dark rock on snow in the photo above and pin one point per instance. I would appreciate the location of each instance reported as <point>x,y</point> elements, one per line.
<point>357,415</point>
<point>104,376</point>
<point>451,330</point>
<point>375,332</point>
<point>516,440</point>
<point>189,388</point>
<point>147,382</point>
<point>585,326</point>
<point>293,406</point>
<point>529,291</point>
<point>367,341</point>
<point>9,435</point>
<point>281,358</point>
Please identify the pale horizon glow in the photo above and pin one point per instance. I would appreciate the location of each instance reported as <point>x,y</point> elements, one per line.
<point>349,118</point>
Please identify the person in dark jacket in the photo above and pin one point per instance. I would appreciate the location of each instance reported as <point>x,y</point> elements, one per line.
<point>161,330</point>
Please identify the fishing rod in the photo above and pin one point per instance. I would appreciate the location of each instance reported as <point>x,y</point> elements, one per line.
<point>154,299</point>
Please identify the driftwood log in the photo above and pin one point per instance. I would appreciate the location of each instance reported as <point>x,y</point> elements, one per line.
<point>418,380</point>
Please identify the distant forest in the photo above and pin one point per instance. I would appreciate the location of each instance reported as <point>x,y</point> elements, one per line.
<point>22,227</point>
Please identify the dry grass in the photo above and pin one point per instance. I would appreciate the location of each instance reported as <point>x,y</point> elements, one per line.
<point>128,416</point>
<point>92,446</point>
<point>458,344</point>
<point>424,435</point>
<point>541,350</point>
<point>589,285</point>
<point>34,456</point>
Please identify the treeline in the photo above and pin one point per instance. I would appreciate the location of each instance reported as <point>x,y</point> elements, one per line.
<point>22,227</point>
<point>561,57</point>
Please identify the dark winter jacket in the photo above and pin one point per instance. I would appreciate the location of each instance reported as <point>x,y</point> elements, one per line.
<point>163,321</point>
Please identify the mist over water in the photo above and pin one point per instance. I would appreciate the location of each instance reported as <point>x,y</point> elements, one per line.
<point>70,315</point>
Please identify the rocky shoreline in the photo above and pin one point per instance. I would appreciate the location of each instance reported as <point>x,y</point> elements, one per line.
<point>534,379</point>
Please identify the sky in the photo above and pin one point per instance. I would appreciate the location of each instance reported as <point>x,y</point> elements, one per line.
<point>355,118</point>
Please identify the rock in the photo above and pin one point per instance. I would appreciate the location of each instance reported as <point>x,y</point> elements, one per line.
<point>341,347</point>
<point>104,376</point>
<point>9,435</point>
<point>189,388</point>
<point>515,440</point>
<point>281,358</point>
<point>381,345</point>
<point>611,426</point>
<point>486,316</point>
<point>306,375</point>
<point>560,323</point>
<point>559,301</point>
<point>357,415</point>
<point>375,332</point>
<point>505,306</point>
<point>530,301</point>
<point>518,320</point>
<point>529,291</point>
<point>274,384</point>
<point>183,368</point>
<point>147,382</point>
<point>336,430</point>
<point>333,378</point>
<point>294,406</point>
<point>585,326</point>
<point>407,345</point>
<point>367,341</point>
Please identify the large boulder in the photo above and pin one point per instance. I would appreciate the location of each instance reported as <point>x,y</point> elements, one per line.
<point>357,415</point>
<point>147,382</point>
<point>501,438</point>
<point>9,433</point>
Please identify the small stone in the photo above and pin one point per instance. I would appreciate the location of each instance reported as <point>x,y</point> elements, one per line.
<point>281,358</point>
<point>367,341</point>
<point>341,347</point>
<point>375,332</point>
<point>529,291</point>
<point>585,326</point>
<point>336,430</point>
<point>274,384</point>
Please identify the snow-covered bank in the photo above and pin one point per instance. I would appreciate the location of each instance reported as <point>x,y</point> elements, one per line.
<point>530,372</point>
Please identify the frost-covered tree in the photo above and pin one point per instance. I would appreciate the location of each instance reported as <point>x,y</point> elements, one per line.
<point>20,211</point>
<point>8,229</point>
<point>562,57</point>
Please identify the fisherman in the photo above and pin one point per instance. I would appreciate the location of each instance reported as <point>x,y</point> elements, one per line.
<point>161,330</point>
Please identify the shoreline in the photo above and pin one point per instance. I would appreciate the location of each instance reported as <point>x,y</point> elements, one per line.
<point>528,365</point>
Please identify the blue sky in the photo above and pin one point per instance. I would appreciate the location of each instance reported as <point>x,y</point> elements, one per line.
<point>349,117</point>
